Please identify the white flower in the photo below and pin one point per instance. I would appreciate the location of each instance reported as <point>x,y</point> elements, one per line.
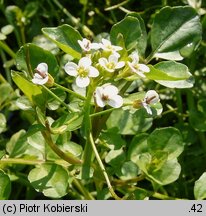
<point>112,63</point>
<point>86,45</point>
<point>108,94</point>
<point>150,98</point>
<point>107,46</point>
<point>82,71</point>
<point>137,68</point>
<point>41,76</point>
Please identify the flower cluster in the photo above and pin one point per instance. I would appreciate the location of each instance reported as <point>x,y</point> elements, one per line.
<point>90,69</point>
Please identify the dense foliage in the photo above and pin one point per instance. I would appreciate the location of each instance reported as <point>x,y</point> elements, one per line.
<point>103,99</point>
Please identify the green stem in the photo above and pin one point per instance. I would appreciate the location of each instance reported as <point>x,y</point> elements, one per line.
<point>21,161</point>
<point>86,129</point>
<point>70,91</point>
<point>116,6</point>
<point>102,112</point>
<point>70,158</point>
<point>7,49</point>
<point>82,189</point>
<point>57,98</point>
<point>114,195</point>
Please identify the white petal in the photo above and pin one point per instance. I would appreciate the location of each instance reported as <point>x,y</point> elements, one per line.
<point>84,44</point>
<point>110,90</point>
<point>39,80</point>
<point>106,42</point>
<point>116,101</point>
<point>98,97</point>
<point>113,58</point>
<point>135,57</point>
<point>42,67</point>
<point>144,68</point>
<point>103,62</point>
<point>71,68</point>
<point>117,48</point>
<point>148,109</point>
<point>82,82</point>
<point>152,94</point>
<point>85,62</point>
<point>93,72</point>
<point>95,46</point>
<point>120,65</point>
<point>141,74</point>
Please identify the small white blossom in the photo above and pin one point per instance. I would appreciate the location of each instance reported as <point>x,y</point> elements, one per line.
<point>83,71</point>
<point>108,94</point>
<point>112,63</point>
<point>41,76</point>
<point>107,46</point>
<point>150,98</point>
<point>137,68</point>
<point>86,45</point>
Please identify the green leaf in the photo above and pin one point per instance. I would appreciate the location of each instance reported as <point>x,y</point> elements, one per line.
<point>33,55</point>
<point>33,92</point>
<point>115,157</point>
<point>36,140</point>
<point>130,28</point>
<point>129,170</point>
<point>199,188</point>
<point>31,9</point>
<point>166,139</point>
<point>142,40</point>
<point>15,146</point>
<point>196,119</point>
<point>112,139</point>
<point>2,123</point>
<point>173,29</point>
<point>23,103</point>
<point>179,75</point>
<point>73,121</point>
<point>5,186</point>
<point>65,37</point>
<point>129,123</point>
<point>137,146</point>
<point>51,180</point>
<point>5,92</point>
<point>162,173</point>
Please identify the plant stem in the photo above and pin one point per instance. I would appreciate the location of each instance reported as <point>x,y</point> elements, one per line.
<point>70,91</point>
<point>114,195</point>
<point>102,112</point>
<point>57,98</point>
<point>116,6</point>
<point>7,49</point>
<point>70,158</point>
<point>82,189</point>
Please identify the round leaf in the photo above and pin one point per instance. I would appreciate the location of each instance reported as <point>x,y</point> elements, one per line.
<point>65,37</point>
<point>173,29</point>
<point>129,123</point>
<point>51,180</point>
<point>166,139</point>
<point>199,188</point>
<point>130,29</point>
<point>178,75</point>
